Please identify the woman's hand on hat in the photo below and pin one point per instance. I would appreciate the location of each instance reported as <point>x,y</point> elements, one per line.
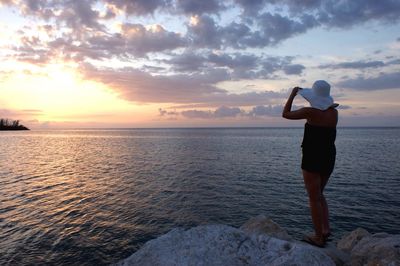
<point>295,90</point>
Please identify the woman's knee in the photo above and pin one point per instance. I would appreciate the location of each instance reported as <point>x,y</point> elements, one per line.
<point>315,196</point>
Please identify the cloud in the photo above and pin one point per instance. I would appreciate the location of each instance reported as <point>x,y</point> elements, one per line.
<point>187,62</point>
<point>19,114</point>
<point>229,112</point>
<point>394,62</point>
<point>224,111</point>
<point>139,40</point>
<point>355,65</point>
<point>344,107</point>
<point>139,86</point>
<point>276,28</point>
<point>383,81</point>
<point>295,69</point>
<point>269,110</point>
<point>273,63</point>
<point>138,7</point>
<point>198,88</point>
<point>200,7</point>
<point>163,112</point>
<point>238,65</point>
<point>197,114</point>
<point>204,32</point>
<point>351,12</point>
<point>220,112</point>
<point>82,32</point>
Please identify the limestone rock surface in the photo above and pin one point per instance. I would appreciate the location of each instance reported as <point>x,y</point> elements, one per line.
<point>224,245</point>
<point>263,225</point>
<point>377,249</point>
<point>351,239</point>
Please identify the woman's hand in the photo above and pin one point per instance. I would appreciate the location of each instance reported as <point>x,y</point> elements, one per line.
<point>295,90</point>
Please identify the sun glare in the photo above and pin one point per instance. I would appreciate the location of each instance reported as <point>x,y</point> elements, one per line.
<point>60,94</point>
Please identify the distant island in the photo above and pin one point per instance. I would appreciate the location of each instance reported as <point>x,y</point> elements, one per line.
<point>6,124</point>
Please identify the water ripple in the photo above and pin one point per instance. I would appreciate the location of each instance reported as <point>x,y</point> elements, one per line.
<point>94,197</point>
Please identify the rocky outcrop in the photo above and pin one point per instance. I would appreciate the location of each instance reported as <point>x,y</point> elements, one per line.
<point>263,225</point>
<point>368,249</point>
<point>260,241</point>
<point>224,245</point>
<point>348,241</point>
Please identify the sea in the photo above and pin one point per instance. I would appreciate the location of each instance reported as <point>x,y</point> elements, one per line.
<point>94,197</point>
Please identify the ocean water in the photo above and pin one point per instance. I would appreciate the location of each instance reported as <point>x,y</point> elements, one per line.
<point>95,196</point>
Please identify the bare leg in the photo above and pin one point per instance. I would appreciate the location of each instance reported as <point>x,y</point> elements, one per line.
<point>313,185</point>
<point>326,230</point>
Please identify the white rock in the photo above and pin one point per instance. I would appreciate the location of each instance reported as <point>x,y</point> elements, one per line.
<point>348,241</point>
<point>377,249</point>
<point>263,225</point>
<point>339,257</point>
<point>223,245</point>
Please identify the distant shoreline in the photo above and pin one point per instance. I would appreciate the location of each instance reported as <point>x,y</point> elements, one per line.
<point>6,128</point>
<point>7,124</point>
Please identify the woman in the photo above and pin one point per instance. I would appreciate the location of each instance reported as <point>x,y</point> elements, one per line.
<point>319,151</point>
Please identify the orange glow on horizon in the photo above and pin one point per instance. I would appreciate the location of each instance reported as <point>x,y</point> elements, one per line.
<point>61,94</point>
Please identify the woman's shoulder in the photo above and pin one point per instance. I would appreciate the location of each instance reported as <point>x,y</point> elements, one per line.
<point>326,118</point>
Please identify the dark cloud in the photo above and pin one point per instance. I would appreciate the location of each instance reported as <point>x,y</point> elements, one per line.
<point>226,112</point>
<point>274,63</point>
<point>294,69</point>
<point>269,110</point>
<point>200,7</point>
<point>138,7</point>
<point>240,66</point>
<point>270,30</point>
<point>197,114</point>
<point>204,32</point>
<point>383,81</point>
<point>252,6</point>
<point>352,12</point>
<point>80,14</point>
<point>276,28</point>
<point>220,112</point>
<point>333,13</point>
<point>187,62</point>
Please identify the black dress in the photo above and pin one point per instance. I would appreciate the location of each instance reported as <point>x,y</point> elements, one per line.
<point>319,151</point>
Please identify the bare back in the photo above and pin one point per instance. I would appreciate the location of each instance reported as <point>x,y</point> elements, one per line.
<point>326,118</point>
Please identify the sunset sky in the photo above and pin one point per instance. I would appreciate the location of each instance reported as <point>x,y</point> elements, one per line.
<point>195,63</point>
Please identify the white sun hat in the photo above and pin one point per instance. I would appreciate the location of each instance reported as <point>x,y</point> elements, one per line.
<point>318,96</point>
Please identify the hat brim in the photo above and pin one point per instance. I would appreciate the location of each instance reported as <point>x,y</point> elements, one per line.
<point>318,102</point>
